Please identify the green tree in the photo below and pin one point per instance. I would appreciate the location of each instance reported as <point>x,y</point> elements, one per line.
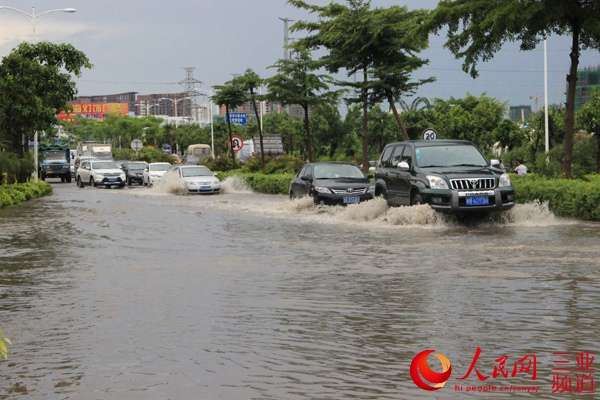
<point>290,129</point>
<point>588,118</point>
<point>250,81</point>
<point>399,39</point>
<point>36,82</point>
<point>328,128</point>
<point>296,82</point>
<point>231,95</point>
<point>349,34</point>
<point>478,29</point>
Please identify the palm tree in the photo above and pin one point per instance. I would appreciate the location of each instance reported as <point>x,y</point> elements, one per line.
<point>418,103</point>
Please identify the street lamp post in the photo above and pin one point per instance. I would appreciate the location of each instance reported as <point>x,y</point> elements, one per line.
<point>546,124</point>
<point>33,17</point>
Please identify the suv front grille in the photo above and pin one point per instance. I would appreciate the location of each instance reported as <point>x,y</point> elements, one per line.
<point>112,174</point>
<point>473,183</point>
<point>350,191</point>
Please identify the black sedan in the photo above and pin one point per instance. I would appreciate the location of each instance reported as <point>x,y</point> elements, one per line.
<point>331,183</point>
<point>134,171</point>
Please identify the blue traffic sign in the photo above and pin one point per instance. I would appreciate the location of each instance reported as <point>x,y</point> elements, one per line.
<point>238,118</point>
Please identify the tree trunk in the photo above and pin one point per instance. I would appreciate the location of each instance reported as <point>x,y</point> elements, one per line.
<point>231,152</point>
<point>570,113</point>
<point>307,133</point>
<point>397,116</point>
<point>260,132</point>
<point>365,127</point>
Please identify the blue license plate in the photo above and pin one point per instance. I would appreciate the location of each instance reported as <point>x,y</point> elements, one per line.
<point>478,201</point>
<point>351,199</point>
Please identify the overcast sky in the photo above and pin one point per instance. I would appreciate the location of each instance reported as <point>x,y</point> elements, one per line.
<point>143,45</point>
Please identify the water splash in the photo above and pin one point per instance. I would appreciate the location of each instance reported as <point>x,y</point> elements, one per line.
<point>169,183</point>
<point>235,184</point>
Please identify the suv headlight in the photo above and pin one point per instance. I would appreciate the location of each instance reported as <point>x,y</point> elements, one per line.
<point>436,182</point>
<point>321,189</point>
<point>504,181</point>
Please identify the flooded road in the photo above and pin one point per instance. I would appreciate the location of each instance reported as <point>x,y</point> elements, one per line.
<point>136,294</point>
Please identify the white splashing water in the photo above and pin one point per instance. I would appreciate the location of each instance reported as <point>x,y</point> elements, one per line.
<point>169,183</point>
<point>235,184</point>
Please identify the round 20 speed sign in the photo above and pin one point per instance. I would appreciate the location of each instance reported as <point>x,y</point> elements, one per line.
<point>429,134</point>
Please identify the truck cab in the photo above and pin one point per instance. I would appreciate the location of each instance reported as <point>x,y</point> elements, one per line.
<point>55,162</point>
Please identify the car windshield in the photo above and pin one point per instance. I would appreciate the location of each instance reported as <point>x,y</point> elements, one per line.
<point>160,167</point>
<point>449,156</point>
<point>105,165</point>
<point>136,166</point>
<point>195,171</point>
<point>55,155</point>
<point>333,171</point>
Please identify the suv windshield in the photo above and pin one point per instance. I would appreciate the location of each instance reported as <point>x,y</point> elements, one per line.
<point>55,155</point>
<point>195,171</point>
<point>333,171</point>
<point>160,167</point>
<point>105,165</point>
<point>449,156</point>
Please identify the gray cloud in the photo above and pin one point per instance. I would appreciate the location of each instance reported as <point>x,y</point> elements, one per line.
<point>143,45</point>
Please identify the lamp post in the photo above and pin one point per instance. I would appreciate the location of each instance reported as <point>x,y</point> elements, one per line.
<point>33,17</point>
<point>546,124</point>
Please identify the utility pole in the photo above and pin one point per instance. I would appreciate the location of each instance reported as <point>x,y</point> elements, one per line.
<point>286,37</point>
<point>546,123</point>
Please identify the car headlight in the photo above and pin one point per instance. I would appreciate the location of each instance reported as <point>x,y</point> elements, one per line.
<point>321,189</point>
<point>122,176</point>
<point>436,182</point>
<point>504,181</point>
<point>99,177</point>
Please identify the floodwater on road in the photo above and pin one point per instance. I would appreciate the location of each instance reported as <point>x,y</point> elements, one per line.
<point>138,294</point>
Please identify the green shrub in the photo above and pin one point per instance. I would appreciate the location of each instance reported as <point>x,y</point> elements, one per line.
<point>11,195</point>
<point>262,183</point>
<point>575,198</point>
<point>14,168</point>
<point>221,164</point>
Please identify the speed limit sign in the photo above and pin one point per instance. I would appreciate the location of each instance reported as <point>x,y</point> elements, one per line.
<point>237,143</point>
<point>429,134</point>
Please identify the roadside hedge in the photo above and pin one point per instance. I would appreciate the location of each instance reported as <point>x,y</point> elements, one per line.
<point>262,183</point>
<point>575,198</point>
<point>11,195</point>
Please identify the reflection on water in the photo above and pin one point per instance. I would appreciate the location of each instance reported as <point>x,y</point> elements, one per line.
<point>139,295</point>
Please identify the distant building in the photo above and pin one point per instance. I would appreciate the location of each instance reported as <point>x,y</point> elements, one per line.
<point>164,104</point>
<point>126,97</point>
<point>519,114</point>
<point>588,79</point>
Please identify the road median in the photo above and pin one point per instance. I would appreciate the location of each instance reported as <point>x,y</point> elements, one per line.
<point>17,193</point>
<point>261,182</point>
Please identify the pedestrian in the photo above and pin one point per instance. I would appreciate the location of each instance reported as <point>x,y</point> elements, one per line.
<point>521,169</point>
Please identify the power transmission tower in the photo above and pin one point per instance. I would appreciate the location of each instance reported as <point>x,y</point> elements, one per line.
<point>190,87</point>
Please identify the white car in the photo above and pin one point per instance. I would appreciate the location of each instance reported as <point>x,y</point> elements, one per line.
<point>195,179</point>
<point>154,172</point>
<point>99,173</point>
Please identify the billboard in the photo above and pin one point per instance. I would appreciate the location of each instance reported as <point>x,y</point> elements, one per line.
<point>94,111</point>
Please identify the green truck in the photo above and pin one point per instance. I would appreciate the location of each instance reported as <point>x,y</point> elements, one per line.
<point>55,162</point>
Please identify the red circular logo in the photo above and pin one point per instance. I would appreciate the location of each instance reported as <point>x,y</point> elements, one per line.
<point>424,377</point>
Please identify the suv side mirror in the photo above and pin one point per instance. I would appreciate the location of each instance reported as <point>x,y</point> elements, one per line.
<point>495,163</point>
<point>305,178</point>
<point>403,165</point>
